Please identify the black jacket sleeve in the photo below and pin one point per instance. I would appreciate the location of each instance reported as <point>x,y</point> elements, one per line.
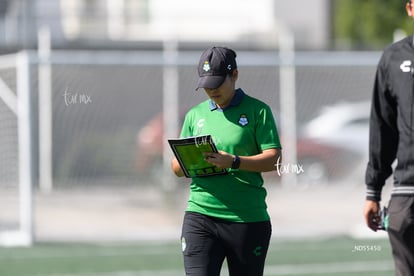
<point>383,133</point>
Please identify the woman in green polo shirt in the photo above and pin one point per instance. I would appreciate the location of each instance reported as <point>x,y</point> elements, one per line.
<point>227,216</point>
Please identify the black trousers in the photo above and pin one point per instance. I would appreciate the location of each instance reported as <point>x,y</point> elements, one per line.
<point>401,234</point>
<point>207,241</point>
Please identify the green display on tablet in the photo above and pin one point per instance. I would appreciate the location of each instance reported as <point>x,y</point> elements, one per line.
<point>189,153</point>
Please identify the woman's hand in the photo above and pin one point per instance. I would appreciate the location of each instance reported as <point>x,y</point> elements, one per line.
<point>219,159</point>
<point>262,162</point>
<point>176,168</point>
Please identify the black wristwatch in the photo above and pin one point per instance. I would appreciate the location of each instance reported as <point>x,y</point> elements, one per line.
<point>236,162</point>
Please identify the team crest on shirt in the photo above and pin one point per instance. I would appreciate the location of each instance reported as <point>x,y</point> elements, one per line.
<point>243,120</point>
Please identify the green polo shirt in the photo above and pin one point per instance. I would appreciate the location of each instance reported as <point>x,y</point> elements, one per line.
<point>245,128</point>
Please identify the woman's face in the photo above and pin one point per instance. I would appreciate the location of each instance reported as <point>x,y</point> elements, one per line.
<point>223,94</point>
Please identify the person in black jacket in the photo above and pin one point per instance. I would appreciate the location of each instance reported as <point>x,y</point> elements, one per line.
<point>392,139</point>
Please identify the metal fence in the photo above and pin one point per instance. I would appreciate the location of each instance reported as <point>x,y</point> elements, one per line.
<point>102,100</point>
<point>107,129</point>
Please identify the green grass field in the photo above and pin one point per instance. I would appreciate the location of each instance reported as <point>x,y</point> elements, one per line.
<point>337,256</point>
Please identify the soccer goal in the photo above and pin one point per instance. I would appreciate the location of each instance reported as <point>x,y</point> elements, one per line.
<point>16,178</point>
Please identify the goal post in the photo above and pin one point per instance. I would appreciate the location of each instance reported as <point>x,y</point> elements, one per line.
<point>19,103</point>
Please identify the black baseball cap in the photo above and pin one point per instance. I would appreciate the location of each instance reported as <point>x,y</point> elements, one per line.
<point>214,65</point>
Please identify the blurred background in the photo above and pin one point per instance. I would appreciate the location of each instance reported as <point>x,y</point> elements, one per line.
<point>91,89</point>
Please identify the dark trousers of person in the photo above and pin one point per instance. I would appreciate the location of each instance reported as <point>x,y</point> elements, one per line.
<point>401,234</point>
<point>207,241</point>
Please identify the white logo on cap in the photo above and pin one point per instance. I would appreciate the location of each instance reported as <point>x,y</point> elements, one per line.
<point>229,67</point>
<point>206,66</point>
